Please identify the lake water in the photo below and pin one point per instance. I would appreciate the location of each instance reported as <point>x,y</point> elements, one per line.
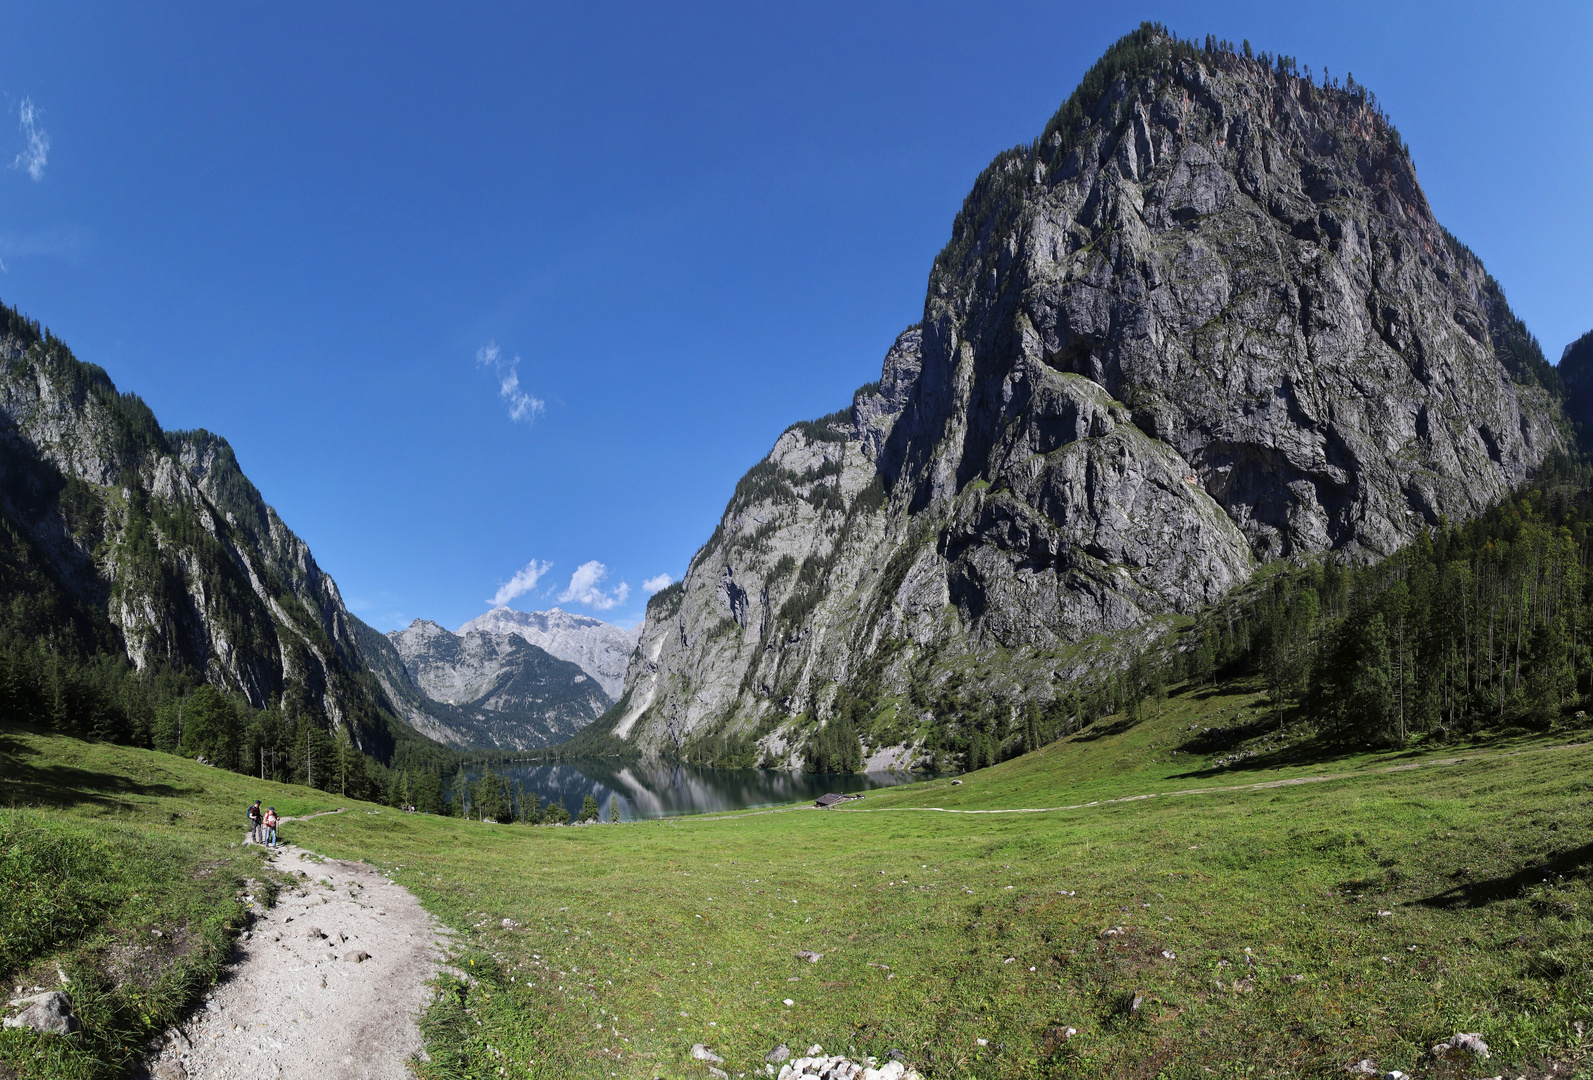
<point>658,790</point>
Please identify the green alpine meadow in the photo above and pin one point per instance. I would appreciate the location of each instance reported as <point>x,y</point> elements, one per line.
<point>1178,662</point>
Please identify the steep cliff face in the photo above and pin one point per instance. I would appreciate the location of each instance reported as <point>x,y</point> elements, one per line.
<point>1205,321</point>
<point>494,690</point>
<point>602,649</point>
<point>161,548</point>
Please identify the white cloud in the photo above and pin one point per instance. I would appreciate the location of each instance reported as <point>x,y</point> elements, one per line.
<point>522,406</point>
<point>36,154</point>
<point>653,584</point>
<point>523,582</point>
<point>584,588</point>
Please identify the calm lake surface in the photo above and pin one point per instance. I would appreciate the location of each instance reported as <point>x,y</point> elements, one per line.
<point>645,790</point>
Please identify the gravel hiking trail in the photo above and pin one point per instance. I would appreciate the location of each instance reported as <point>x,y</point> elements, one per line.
<point>328,984</point>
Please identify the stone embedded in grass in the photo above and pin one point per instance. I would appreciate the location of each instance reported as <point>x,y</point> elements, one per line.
<point>50,1012</point>
<point>1470,1042</point>
<point>810,957</point>
<point>778,1054</point>
<point>702,1053</point>
<point>788,1001</point>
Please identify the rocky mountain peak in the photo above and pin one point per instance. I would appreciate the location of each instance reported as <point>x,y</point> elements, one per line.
<point>602,649</point>
<point>1206,320</point>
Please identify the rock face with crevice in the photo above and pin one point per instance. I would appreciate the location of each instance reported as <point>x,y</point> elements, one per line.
<point>1206,321</point>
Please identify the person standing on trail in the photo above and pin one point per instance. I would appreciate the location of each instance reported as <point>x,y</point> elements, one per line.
<point>254,822</point>
<point>271,827</point>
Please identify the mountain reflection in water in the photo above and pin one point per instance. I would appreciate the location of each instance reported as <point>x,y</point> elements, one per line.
<point>657,790</point>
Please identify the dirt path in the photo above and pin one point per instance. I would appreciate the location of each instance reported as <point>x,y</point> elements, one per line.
<point>300,1003</point>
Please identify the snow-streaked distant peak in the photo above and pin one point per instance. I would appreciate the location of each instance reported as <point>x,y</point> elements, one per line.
<point>602,649</point>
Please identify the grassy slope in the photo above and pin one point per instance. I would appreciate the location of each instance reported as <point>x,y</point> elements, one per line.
<point>633,942</point>
<point>99,847</point>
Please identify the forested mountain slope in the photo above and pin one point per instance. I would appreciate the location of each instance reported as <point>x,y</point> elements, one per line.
<point>1205,321</point>
<point>123,545</point>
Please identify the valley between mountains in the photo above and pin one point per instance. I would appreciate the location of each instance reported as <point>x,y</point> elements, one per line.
<point>1212,554</point>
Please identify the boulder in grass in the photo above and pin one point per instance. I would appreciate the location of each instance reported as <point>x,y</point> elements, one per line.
<point>50,1012</point>
<point>1462,1041</point>
<point>702,1053</point>
<point>778,1054</point>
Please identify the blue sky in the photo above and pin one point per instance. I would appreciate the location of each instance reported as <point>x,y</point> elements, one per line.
<point>474,289</point>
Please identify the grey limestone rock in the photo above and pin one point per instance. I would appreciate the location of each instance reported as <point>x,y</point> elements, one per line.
<point>50,1012</point>
<point>1214,326</point>
<point>601,649</point>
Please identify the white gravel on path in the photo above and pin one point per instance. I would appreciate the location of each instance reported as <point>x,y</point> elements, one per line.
<point>294,1005</point>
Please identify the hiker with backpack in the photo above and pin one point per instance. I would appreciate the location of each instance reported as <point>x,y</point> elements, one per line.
<point>254,822</point>
<point>271,827</point>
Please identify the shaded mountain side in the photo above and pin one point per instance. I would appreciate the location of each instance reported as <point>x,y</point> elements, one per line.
<point>124,543</point>
<point>1205,321</point>
<point>1576,374</point>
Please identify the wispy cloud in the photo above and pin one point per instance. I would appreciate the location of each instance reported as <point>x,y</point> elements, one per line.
<point>523,582</point>
<point>584,588</point>
<point>36,154</point>
<point>522,406</point>
<point>653,584</point>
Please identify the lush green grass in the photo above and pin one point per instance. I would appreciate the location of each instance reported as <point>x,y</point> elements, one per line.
<point>101,848</point>
<point>633,942</point>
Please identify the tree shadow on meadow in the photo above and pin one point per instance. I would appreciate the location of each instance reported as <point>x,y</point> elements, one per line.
<point>26,781</point>
<point>1572,862</point>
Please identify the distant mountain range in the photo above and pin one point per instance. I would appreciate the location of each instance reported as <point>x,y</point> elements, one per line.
<point>602,649</point>
<point>536,681</point>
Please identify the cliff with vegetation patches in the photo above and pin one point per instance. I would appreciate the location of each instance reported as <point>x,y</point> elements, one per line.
<point>1205,321</point>
<point>119,539</point>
